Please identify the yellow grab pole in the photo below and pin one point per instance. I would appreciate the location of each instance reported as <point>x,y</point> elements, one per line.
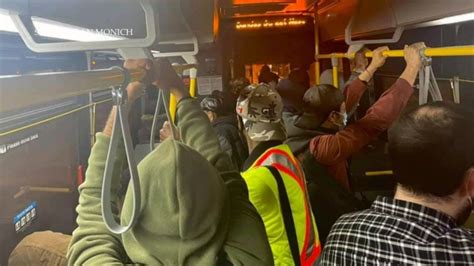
<point>192,82</point>
<point>335,78</point>
<point>333,55</point>
<point>451,51</point>
<point>317,70</point>
<point>192,87</point>
<point>379,173</point>
<point>172,108</point>
<point>467,50</point>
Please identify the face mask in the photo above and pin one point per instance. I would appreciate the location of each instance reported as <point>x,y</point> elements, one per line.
<point>344,119</point>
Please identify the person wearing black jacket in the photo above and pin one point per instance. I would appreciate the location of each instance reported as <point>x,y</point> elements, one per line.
<point>225,126</point>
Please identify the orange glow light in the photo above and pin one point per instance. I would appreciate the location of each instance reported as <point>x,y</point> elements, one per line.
<point>254,2</point>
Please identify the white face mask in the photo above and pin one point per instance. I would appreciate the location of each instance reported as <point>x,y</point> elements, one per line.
<point>345,118</point>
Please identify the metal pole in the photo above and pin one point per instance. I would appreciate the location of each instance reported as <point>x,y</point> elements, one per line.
<point>173,104</point>
<point>317,67</point>
<point>429,52</point>
<point>192,82</point>
<point>335,77</point>
<point>91,100</point>
<point>22,91</point>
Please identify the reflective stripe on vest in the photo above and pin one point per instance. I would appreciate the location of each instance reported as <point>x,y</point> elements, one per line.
<point>282,159</point>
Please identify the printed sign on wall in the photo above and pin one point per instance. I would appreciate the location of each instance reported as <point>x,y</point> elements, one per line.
<point>5,147</point>
<point>25,217</point>
<point>208,84</point>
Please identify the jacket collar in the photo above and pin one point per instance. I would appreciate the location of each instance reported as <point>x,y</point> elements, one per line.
<point>414,212</point>
<point>258,151</point>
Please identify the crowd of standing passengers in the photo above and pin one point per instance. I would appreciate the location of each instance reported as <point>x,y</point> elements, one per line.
<point>267,182</point>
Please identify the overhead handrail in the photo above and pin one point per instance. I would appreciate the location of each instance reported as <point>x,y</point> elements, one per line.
<point>49,119</point>
<point>21,23</point>
<point>23,91</point>
<point>467,50</point>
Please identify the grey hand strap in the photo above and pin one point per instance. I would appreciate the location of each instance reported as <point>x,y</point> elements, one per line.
<point>121,129</point>
<point>427,82</point>
<point>160,100</point>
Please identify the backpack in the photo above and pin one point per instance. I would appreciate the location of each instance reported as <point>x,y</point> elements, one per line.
<point>328,199</point>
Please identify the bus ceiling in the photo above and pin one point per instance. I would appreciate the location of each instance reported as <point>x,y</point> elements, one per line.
<point>178,26</point>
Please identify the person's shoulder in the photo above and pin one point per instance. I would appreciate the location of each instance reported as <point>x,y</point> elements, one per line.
<point>255,172</point>
<point>353,219</point>
<point>464,234</point>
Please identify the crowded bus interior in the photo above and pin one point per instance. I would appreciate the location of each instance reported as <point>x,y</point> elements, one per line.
<point>237,132</point>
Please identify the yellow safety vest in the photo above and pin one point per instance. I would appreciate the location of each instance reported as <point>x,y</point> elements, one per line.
<point>264,195</point>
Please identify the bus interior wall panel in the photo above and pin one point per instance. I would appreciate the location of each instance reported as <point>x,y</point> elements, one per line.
<point>32,171</point>
<point>16,58</point>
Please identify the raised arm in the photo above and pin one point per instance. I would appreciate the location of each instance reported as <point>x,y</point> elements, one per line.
<point>357,87</point>
<point>330,149</point>
<point>194,127</point>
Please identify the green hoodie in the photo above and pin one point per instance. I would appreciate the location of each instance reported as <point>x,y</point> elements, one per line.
<point>195,206</point>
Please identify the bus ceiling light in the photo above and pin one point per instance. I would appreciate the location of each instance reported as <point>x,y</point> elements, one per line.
<point>6,24</point>
<point>449,20</point>
<point>53,29</point>
<point>57,30</point>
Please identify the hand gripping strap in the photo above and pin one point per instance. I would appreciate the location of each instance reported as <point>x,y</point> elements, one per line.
<point>121,129</point>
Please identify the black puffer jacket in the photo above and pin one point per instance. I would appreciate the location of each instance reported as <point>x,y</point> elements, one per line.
<point>231,140</point>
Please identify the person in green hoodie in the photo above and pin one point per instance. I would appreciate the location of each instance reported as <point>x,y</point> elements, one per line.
<point>195,208</point>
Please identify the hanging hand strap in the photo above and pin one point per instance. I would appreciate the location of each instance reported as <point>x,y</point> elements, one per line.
<point>427,81</point>
<point>160,100</point>
<point>455,87</point>
<point>121,129</point>
<point>434,88</point>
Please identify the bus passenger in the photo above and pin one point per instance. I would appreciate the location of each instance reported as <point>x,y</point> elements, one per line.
<point>195,207</point>
<point>292,90</point>
<point>320,140</point>
<point>432,154</point>
<point>337,142</point>
<point>267,76</point>
<point>227,130</point>
<point>275,179</point>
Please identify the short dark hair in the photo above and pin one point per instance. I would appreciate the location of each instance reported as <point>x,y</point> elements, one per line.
<point>213,103</point>
<point>432,147</point>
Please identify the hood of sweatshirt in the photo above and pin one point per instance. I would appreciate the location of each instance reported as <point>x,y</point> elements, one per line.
<point>183,218</point>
